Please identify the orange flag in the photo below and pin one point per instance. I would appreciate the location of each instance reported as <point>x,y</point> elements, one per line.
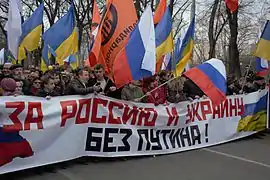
<point>94,55</point>
<point>118,22</point>
<point>160,11</point>
<point>95,24</point>
<point>96,16</point>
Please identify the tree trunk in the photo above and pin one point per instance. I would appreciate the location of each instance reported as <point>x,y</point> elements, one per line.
<point>138,8</point>
<point>152,6</point>
<point>211,36</point>
<point>234,63</point>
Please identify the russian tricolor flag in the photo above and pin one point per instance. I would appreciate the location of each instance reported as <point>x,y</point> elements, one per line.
<point>262,67</point>
<point>210,77</point>
<point>138,59</point>
<point>13,145</point>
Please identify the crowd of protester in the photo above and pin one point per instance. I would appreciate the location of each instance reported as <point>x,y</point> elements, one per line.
<point>159,89</point>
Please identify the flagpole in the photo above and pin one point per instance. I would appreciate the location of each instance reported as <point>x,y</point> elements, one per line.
<point>192,15</point>
<point>172,54</point>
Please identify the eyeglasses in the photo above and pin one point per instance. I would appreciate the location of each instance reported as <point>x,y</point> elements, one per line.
<point>37,82</point>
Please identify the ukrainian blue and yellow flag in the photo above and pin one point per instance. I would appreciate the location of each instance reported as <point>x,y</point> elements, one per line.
<point>182,57</point>
<point>31,30</point>
<point>62,38</point>
<point>164,39</point>
<point>263,47</point>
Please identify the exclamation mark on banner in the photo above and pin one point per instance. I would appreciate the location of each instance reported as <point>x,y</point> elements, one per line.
<point>206,133</point>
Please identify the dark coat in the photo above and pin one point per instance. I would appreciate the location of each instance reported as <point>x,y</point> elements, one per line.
<point>191,89</point>
<point>116,94</point>
<point>43,93</point>
<point>76,87</point>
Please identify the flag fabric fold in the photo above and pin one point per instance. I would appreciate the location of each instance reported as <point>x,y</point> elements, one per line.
<point>163,31</point>
<point>96,17</point>
<point>95,24</point>
<point>138,59</point>
<point>184,54</point>
<point>160,10</point>
<point>31,31</point>
<point>166,61</point>
<point>262,67</point>
<point>210,77</point>
<point>95,55</point>
<point>2,56</point>
<point>14,27</point>
<point>114,30</point>
<point>176,53</point>
<point>13,145</point>
<point>263,45</point>
<point>63,43</point>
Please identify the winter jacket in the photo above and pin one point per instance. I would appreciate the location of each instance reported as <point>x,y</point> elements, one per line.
<point>130,94</point>
<point>173,98</point>
<point>192,90</point>
<point>109,83</point>
<point>76,87</point>
<point>44,93</point>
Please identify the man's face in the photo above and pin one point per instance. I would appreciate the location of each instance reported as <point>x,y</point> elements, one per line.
<point>99,73</point>
<point>37,84</point>
<point>26,73</point>
<point>6,70</point>
<point>50,85</point>
<point>18,71</point>
<point>84,76</point>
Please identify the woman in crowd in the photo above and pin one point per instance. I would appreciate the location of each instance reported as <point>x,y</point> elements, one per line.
<point>8,86</point>
<point>19,88</point>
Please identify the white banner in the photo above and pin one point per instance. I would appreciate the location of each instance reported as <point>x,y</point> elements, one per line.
<point>35,131</point>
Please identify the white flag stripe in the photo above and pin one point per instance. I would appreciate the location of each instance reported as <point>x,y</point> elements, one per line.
<point>13,27</point>
<point>264,63</point>
<point>219,66</point>
<point>187,67</point>
<point>166,61</point>
<point>19,3</point>
<point>2,56</point>
<point>147,32</point>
